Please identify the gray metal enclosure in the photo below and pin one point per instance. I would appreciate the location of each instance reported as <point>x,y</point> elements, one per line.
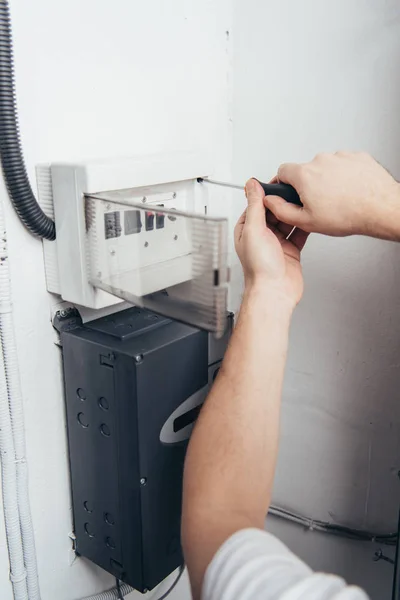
<point>125,375</point>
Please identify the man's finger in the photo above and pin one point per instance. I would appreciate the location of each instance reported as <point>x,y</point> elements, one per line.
<point>299,238</point>
<point>271,218</point>
<point>284,228</point>
<point>286,212</point>
<point>289,173</point>
<point>276,232</point>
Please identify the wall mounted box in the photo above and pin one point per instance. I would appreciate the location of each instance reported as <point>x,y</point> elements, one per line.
<point>134,384</point>
<point>128,229</point>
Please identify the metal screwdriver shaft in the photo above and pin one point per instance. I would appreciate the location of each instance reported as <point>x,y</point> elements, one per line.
<point>269,188</point>
<point>283,190</point>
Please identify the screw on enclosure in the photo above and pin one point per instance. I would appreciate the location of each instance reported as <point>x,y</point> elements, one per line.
<point>143,481</point>
<point>174,195</point>
<point>144,199</point>
<point>139,358</point>
<point>112,252</point>
<point>175,237</point>
<point>146,244</point>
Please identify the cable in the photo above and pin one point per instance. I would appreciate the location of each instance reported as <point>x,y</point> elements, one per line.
<point>12,159</point>
<point>173,586</point>
<point>112,594</point>
<point>118,586</point>
<point>334,529</point>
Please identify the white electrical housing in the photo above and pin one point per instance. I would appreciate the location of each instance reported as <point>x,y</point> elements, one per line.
<point>137,229</point>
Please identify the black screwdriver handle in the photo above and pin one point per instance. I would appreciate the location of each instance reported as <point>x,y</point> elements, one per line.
<point>284,190</point>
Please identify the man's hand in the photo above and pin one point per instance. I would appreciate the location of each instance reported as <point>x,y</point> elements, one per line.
<point>342,194</point>
<point>269,260</point>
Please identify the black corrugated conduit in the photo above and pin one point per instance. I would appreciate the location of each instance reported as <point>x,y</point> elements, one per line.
<point>12,160</point>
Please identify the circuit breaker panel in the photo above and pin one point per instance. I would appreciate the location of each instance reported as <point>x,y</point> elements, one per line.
<point>139,230</point>
<point>135,382</point>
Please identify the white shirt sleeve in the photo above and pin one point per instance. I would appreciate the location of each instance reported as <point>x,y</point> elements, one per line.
<point>254,565</point>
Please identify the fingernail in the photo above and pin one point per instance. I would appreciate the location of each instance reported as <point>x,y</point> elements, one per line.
<point>250,185</point>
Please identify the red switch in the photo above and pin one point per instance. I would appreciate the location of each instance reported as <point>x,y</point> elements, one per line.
<point>149,221</point>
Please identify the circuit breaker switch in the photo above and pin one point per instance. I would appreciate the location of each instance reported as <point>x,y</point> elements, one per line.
<point>149,220</point>
<point>160,219</point>
<point>133,222</point>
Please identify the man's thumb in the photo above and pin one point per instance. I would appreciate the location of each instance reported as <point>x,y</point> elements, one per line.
<point>284,211</point>
<point>255,200</point>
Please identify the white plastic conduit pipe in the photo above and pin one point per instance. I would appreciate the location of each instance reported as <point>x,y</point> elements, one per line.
<point>7,455</point>
<point>112,594</point>
<point>10,366</point>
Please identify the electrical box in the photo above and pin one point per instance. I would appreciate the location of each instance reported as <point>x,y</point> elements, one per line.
<point>135,383</point>
<point>137,230</point>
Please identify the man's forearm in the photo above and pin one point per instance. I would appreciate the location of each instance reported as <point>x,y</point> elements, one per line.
<point>232,453</point>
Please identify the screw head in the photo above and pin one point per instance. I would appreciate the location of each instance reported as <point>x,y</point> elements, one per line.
<point>112,252</point>
<point>138,358</point>
<point>174,195</point>
<point>175,237</point>
<point>146,244</point>
<point>143,481</point>
<point>108,206</point>
<point>63,312</point>
<point>144,199</point>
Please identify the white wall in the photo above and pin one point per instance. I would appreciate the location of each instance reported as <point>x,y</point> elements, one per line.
<point>98,79</point>
<point>139,77</point>
<point>317,76</point>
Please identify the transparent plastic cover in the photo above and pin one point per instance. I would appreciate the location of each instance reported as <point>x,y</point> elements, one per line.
<point>165,259</point>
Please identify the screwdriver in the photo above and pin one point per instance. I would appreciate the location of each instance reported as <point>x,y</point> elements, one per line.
<point>284,190</point>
